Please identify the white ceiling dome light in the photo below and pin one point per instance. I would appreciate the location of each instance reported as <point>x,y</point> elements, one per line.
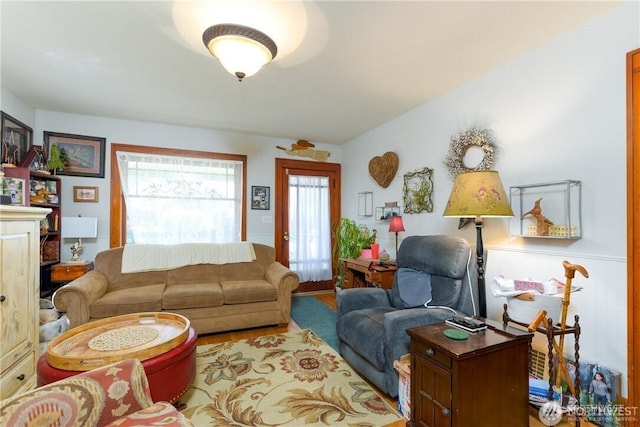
<point>241,50</point>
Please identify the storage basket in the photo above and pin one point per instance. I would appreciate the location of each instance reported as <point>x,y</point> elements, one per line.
<point>403,366</point>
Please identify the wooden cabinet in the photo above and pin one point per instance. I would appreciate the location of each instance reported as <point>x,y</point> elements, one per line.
<point>480,381</point>
<point>19,300</point>
<point>66,272</point>
<point>43,190</point>
<point>360,273</point>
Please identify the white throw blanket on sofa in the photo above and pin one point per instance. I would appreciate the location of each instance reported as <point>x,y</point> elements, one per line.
<point>137,258</point>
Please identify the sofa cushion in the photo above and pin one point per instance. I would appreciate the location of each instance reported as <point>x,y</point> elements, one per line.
<point>363,331</point>
<point>247,291</point>
<point>130,300</point>
<point>192,295</point>
<point>200,273</point>
<point>109,263</point>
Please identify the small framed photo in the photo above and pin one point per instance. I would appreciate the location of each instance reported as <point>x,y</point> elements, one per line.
<point>260,197</point>
<point>15,189</point>
<point>17,139</point>
<point>82,155</point>
<point>85,194</point>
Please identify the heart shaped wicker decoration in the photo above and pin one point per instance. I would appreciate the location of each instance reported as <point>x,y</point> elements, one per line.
<point>383,168</point>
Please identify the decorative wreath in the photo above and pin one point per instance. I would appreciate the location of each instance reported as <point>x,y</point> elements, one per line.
<point>466,139</point>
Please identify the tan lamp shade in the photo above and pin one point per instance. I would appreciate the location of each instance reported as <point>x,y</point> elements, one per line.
<point>478,194</point>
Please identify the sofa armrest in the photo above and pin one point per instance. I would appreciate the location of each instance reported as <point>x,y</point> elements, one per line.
<point>76,297</point>
<point>95,397</point>
<point>283,278</point>
<point>360,298</point>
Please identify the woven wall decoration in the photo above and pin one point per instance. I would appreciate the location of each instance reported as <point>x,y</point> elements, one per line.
<point>383,168</point>
<point>418,191</point>
<point>466,139</point>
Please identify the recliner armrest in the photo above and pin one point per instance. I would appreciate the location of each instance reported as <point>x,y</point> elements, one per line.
<point>397,322</point>
<point>360,298</point>
<point>412,317</point>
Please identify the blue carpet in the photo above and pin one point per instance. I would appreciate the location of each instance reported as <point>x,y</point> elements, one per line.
<point>309,313</point>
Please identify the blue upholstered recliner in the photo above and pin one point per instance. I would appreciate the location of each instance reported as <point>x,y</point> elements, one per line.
<point>372,322</point>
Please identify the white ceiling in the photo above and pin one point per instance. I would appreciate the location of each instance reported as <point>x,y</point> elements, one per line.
<point>357,65</point>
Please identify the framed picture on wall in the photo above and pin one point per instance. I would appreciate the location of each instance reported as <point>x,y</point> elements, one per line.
<point>85,194</point>
<point>17,138</point>
<point>260,197</point>
<point>82,155</point>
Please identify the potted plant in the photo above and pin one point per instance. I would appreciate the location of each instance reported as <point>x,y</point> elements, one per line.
<point>349,240</point>
<point>56,160</point>
<point>367,240</point>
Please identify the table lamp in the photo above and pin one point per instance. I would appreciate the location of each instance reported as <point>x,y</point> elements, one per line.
<point>77,227</point>
<point>477,195</point>
<point>396,225</point>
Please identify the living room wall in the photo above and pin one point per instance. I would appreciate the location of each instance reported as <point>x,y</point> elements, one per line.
<point>556,113</point>
<point>260,151</point>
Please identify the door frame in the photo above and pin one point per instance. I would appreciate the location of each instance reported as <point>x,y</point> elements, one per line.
<point>282,214</point>
<point>633,228</point>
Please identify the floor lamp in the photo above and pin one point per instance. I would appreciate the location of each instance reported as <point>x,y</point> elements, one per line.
<point>479,195</point>
<point>396,225</point>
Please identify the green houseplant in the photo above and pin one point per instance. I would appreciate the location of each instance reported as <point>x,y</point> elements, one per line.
<point>349,240</point>
<point>56,159</point>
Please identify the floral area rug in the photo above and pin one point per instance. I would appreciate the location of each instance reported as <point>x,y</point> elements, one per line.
<point>291,379</point>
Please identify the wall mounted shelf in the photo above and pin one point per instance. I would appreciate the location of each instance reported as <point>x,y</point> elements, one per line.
<point>550,210</point>
<point>365,203</point>
<point>384,213</point>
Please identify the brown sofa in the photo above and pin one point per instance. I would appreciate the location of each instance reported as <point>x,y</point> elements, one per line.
<point>214,297</point>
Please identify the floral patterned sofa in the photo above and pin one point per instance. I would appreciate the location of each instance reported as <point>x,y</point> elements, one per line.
<point>113,395</point>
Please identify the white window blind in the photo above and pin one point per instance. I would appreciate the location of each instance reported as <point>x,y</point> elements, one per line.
<point>173,199</point>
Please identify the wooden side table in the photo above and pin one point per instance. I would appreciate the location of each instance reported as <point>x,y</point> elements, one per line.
<point>481,381</point>
<point>68,271</point>
<point>360,273</point>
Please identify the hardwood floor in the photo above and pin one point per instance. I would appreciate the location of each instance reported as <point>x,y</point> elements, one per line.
<point>329,299</point>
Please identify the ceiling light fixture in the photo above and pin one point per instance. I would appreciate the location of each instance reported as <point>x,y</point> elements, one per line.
<point>243,51</point>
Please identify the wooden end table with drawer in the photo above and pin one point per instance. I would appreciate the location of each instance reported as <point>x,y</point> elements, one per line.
<point>68,271</point>
<point>360,273</point>
<point>480,381</point>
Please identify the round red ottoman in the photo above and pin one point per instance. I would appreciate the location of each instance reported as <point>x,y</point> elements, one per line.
<point>170,374</point>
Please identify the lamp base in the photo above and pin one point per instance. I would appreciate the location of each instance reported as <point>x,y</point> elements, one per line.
<point>76,248</point>
<point>482,296</point>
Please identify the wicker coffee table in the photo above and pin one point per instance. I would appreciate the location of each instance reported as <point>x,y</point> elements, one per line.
<point>165,343</point>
